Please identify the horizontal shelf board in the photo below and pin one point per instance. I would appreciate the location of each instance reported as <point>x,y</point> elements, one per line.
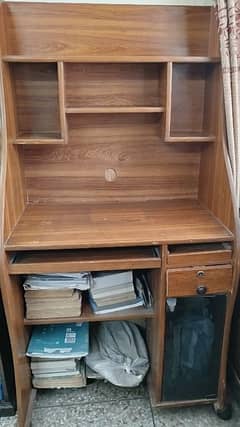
<point>84,260</point>
<point>96,110</point>
<point>190,138</point>
<point>116,59</point>
<point>88,316</point>
<point>115,224</point>
<point>39,141</point>
<point>179,403</point>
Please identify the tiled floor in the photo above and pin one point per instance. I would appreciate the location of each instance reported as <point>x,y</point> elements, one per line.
<point>102,405</point>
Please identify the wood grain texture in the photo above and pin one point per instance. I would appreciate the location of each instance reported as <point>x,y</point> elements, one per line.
<point>115,183</point>
<point>36,100</point>
<point>10,289</point>
<point>158,335</point>
<point>180,137</point>
<point>84,260</point>
<point>15,197</point>
<point>38,140</point>
<point>113,85</point>
<point>12,173</point>
<point>185,282</point>
<point>127,144</point>
<point>62,101</point>
<point>213,45</point>
<point>3,44</point>
<point>19,337</point>
<point>182,403</point>
<point>152,329</point>
<point>112,59</point>
<point>214,189</point>
<point>76,29</point>
<point>191,97</point>
<point>115,224</point>
<point>217,193</point>
<point>112,110</point>
<point>11,206</point>
<point>203,256</point>
<point>169,81</point>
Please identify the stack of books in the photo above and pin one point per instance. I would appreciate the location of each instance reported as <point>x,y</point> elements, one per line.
<point>114,291</point>
<point>48,373</point>
<point>50,304</point>
<point>56,352</point>
<point>55,295</point>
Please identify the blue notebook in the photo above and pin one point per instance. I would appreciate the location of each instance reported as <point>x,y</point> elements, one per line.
<point>70,340</point>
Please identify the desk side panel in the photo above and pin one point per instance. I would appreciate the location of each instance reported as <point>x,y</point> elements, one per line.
<point>11,207</point>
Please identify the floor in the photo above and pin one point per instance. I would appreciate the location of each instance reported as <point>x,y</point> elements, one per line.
<point>102,405</point>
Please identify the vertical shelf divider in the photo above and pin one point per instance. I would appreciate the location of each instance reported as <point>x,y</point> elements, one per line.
<point>168,101</point>
<point>61,98</point>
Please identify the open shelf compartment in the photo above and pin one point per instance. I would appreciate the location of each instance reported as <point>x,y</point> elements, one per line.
<point>133,87</point>
<point>87,314</point>
<point>36,97</point>
<point>192,103</point>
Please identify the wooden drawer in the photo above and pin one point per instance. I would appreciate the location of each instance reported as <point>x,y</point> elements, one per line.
<point>199,254</point>
<point>199,281</point>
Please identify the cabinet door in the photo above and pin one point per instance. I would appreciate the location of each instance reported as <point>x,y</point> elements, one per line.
<point>194,334</point>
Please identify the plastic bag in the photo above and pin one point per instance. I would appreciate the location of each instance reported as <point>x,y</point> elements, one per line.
<point>118,353</point>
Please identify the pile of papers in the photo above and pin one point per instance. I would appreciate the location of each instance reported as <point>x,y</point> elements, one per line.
<point>113,291</point>
<point>55,352</point>
<point>55,281</point>
<point>55,295</point>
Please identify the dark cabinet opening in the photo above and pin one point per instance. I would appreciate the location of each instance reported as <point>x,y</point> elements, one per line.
<point>194,334</point>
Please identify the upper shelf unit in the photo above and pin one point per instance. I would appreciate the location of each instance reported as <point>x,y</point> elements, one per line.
<point>191,102</point>
<point>45,94</point>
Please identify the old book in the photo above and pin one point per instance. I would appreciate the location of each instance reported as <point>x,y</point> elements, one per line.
<point>64,381</point>
<point>110,308</point>
<point>115,299</point>
<point>63,341</point>
<point>51,314</point>
<point>44,308</point>
<point>105,279</point>
<point>46,293</point>
<point>40,365</point>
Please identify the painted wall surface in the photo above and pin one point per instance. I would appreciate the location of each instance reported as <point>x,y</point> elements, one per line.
<point>141,2</point>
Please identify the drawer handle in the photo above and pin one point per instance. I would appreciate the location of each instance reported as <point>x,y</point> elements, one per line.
<point>200,273</point>
<point>201,290</point>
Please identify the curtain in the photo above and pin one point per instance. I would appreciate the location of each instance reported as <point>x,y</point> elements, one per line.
<point>228,15</point>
